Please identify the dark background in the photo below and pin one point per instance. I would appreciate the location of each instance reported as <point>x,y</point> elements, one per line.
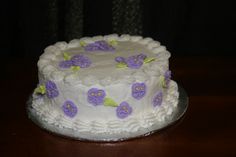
<point>203,27</point>
<point>198,33</point>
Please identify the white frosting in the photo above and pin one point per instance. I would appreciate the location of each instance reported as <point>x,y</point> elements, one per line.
<point>116,82</point>
<point>111,37</point>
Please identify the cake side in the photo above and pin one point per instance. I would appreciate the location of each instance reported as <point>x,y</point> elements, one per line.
<point>48,113</point>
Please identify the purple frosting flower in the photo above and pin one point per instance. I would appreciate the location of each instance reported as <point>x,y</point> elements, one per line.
<point>65,64</point>
<point>134,62</point>
<point>167,77</point>
<point>99,46</point>
<point>120,59</point>
<point>96,96</point>
<point>157,100</point>
<point>51,89</point>
<point>123,110</point>
<point>80,60</point>
<point>138,90</point>
<point>69,108</point>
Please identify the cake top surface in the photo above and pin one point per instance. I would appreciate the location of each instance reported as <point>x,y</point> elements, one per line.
<point>104,60</point>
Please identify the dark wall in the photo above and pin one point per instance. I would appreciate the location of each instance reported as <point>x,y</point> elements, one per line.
<point>193,27</point>
<point>185,27</point>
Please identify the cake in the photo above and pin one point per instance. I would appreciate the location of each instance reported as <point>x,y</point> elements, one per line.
<point>104,86</point>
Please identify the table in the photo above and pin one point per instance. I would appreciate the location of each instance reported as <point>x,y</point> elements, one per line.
<point>207,129</point>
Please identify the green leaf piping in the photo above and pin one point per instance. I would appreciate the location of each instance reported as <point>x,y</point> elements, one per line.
<point>113,42</point>
<point>75,68</point>
<point>40,90</point>
<point>149,59</point>
<point>110,102</point>
<point>66,56</point>
<point>82,43</point>
<point>163,82</point>
<point>121,65</point>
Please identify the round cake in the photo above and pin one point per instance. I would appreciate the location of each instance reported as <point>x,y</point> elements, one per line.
<point>104,85</point>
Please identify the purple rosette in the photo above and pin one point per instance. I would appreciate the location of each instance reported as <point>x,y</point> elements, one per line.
<point>167,76</point>
<point>99,46</point>
<point>157,100</point>
<point>96,96</point>
<point>134,62</point>
<point>65,64</point>
<point>69,109</point>
<point>51,89</point>
<point>123,110</point>
<point>81,60</point>
<point>138,90</point>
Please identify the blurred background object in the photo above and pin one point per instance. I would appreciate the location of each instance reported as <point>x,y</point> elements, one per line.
<point>185,27</point>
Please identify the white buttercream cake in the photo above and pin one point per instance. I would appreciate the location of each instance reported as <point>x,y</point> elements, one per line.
<point>105,85</point>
